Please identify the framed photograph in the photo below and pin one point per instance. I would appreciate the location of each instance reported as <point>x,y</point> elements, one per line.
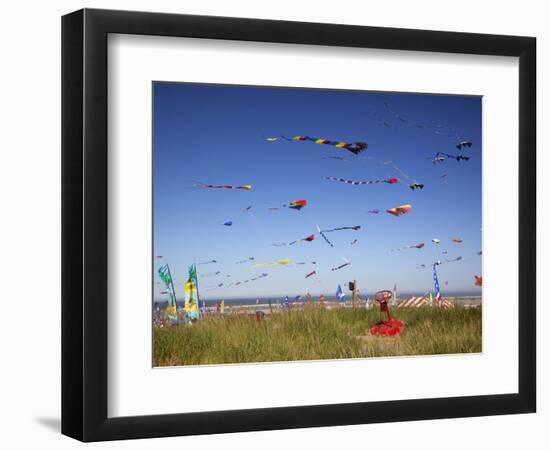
<point>273,224</point>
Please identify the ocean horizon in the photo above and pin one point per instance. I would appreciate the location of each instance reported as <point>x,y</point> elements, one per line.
<point>315,297</point>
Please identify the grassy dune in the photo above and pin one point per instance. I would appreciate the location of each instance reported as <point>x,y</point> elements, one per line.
<point>314,333</point>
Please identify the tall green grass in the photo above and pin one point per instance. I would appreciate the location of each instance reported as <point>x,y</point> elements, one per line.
<point>314,333</point>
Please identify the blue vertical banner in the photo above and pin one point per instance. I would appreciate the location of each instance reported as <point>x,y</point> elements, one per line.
<point>436,286</point>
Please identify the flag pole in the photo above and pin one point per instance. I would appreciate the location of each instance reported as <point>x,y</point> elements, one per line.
<point>197,282</point>
<point>354,293</point>
<point>172,285</point>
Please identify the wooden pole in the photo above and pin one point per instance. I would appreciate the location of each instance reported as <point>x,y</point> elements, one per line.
<point>354,293</point>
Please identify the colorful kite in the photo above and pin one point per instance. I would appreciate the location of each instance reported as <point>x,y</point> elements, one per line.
<point>354,148</point>
<point>457,240</point>
<point>406,247</point>
<point>353,242</point>
<point>228,223</point>
<point>309,238</point>
<point>354,228</point>
<point>297,204</point>
<point>374,211</point>
<point>341,266</point>
<point>281,262</point>
<point>478,280</point>
<point>464,144</point>
<point>213,261</point>
<point>250,258</point>
<point>246,187</point>
<point>415,186</point>
<point>398,210</point>
<point>440,157</point>
<point>310,274</point>
<point>436,241</point>
<point>356,183</point>
<point>339,158</point>
<point>211,274</point>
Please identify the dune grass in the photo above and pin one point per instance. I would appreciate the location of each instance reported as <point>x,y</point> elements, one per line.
<point>313,333</point>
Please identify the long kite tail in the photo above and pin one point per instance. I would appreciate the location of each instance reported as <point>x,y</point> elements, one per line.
<point>324,237</point>
<point>199,184</point>
<point>354,228</point>
<point>356,182</point>
<point>354,148</point>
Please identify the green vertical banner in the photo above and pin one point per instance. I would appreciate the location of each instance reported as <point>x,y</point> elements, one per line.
<point>166,277</point>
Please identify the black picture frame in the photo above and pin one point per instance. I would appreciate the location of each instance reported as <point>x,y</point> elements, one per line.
<point>84,224</point>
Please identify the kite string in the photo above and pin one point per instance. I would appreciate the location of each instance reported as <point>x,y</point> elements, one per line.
<point>451,133</point>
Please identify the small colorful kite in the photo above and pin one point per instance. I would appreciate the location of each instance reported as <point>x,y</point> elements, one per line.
<point>354,148</point>
<point>281,262</point>
<point>436,241</point>
<point>457,240</point>
<point>297,204</point>
<point>374,211</point>
<point>464,144</point>
<point>398,210</point>
<point>228,223</point>
<point>440,157</point>
<point>309,238</point>
<point>339,158</point>
<point>310,274</point>
<point>406,247</point>
<point>478,280</point>
<point>353,242</point>
<point>246,187</point>
<point>341,266</point>
<point>211,274</point>
<point>354,228</point>
<point>213,261</point>
<point>390,180</point>
<point>415,186</point>
<point>250,258</point>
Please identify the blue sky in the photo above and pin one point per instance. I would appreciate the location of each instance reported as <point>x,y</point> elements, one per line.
<point>216,134</point>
